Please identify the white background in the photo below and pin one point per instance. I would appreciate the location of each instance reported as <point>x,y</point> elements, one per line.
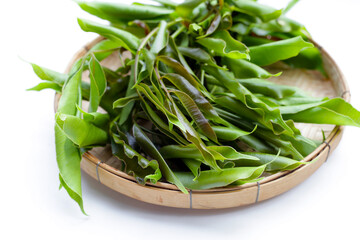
<point>31,206</point>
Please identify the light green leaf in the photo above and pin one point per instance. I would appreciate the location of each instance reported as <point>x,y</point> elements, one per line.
<point>212,179</point>
<point>273,163</point>
<point>230,133</point>
<point>223,44</point>
<point>68,159</point>
<point>186,8</point>
<point>124,38</point>
<point>81,132</point>
<point>161,38</point>
<point>334,111</point>
<point>46,85</point>
<point>118,12</point>
<point>97,84</point>
<point>269,53</point>
<point>265,13</point>
<point>190,151</point>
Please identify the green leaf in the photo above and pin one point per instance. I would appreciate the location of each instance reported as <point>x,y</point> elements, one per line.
<point>161,125</point>
<point>263,113</point>
<point>97,84</point>
<point>122,102</point>
<point>150,149</point>
<point>193,165</point>
<point>223,44</point>
<point>135,164</point>
<point>104,49</point>
<point>212,179</point>
<point>186,8</point>
<point>118,12</point>
<point>161,38</point>
<point>193,136</point>
<point>100,120</point>
<point>213,26</point>
<point>272,90</point>
<point>309,58</point>
<point>81,132</point>
<point>166,3</point>
<point>290,5</point>
<point>172,118</point>
<point>179,69</point>
<point>70,95</point>
<point>334,111</point>
<point>130,91</point>
<point>199,55</point>
<point>49,75</point>
<point>190,151</point>
<point>124,38</point>
<point>273,163</point>
<point>265,13</point>
<point>185,86</point>
<point>46,85</point>
<point>68,159</point>
<point>196,115</point>
<point>230,134</point>
<point>280,25</point>
<point>245,69</point>
<point>272,52</point>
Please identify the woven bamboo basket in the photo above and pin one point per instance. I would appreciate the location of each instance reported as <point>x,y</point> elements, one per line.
<point>101,165</point>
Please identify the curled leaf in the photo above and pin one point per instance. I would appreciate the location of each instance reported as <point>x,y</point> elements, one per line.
<point>223,44</point>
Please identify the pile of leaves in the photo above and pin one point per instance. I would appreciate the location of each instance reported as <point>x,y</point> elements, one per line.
<point>192,104</point>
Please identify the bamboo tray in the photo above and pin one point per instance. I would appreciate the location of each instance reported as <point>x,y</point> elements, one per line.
<point>101,165</point>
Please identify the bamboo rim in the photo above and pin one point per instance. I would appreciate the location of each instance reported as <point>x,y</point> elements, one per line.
<point>91,163</point>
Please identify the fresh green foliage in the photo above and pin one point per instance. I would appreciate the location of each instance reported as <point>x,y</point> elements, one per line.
<point>192,105</point>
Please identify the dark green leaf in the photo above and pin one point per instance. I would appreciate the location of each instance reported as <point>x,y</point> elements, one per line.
<point>150,149</point>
